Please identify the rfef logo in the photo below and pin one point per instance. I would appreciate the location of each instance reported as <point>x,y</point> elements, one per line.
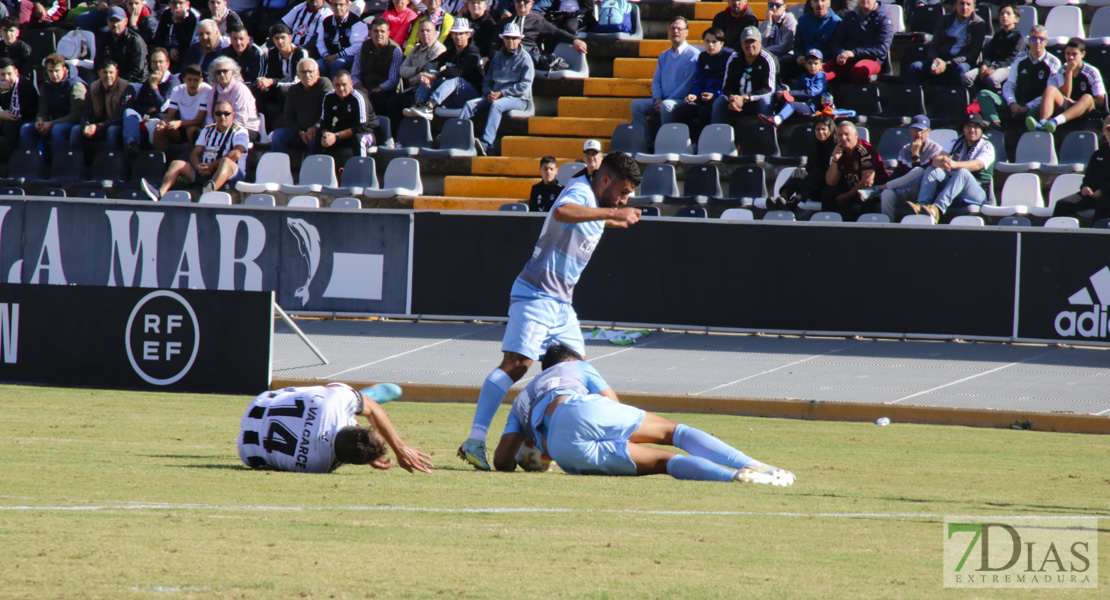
<point>1021,552</point>
<point>1089,323</point>
<point>162,337</point>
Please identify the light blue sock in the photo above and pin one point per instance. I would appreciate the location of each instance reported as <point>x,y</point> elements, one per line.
<point>700,443</point>
<point>786,111</point>
<point>697,469</point>
<point>495,387</point>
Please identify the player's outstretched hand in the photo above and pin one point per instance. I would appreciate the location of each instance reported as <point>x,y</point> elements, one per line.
<point>624,218</point>
<point>410,458</point>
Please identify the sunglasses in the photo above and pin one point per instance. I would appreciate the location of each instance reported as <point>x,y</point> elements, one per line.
<point>1038,39</point>
<point>222,71</point>
<point>773,5</point>
<point>222,113</point>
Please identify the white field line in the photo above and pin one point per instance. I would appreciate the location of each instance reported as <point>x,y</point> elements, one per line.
<point>970,377</point>
<point>508,510</point>
<point>400,354</point>
<point>780,367</point>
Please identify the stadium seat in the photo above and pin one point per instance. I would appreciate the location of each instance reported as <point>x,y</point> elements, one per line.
<point>1101,224</point>
<point>797,10</point>
<point>109,169</point>
<point>456,139</point>
<point>527,111</point>
<point>1099,29</point>
<point>657,181</point>
<point>52,192</point>
<point>1062,223</point>
<point>626,139</point>
<point>413,133</point>
<point>747,186</point>
<point>891,143</point>
<point>1062,187</point>
<point>760,141</point>
<point>967,221</point>
<point>913,53</point>
<point>43,43</point>
<point>897,17</point>
<point>148,165</point>
<point>1035,148</point>
<point>567,170</point>
<point>317,171</point>
<point>272,171</point>
<point>1075,151</point>
<point>873,219</point>
<point>989,14</point>
<point>1028,19</point>
<point>797,147</point>
<point>864,133</point>
<point>1021,192</point>
<point>1051,3</point>
<point>917,220</point>
<point>24,166</point>
<point>130,194</point>
<point>780,180</point>
<point>636,34</point>
<point>261,200</point>
<point>778,215</point>
<point>715,142</point>
<point>513,207</point>
<point>215,198</point>
<point>67,168</point>
<point>672,140</point>
<point>304,202</point>
<point>695,212</point>
<point>11,191</point>
<point>1014,222</point>
<point>826,217</point>
<point>177,197</point>
<point>1064,22</point>
<point>737,214</point>
<point>386,127</point>
<point>947,106</point>
<point>702,183</point>
<point>402,178</point>
<point>345,204</point>
<point>579,66</point>
<point>925,18</point>
<point>90,194</point>
<point>901,103</point>
<point>359,174</point>
<point>998,139</point>
<point>864,99</point>
<point>648,211</point>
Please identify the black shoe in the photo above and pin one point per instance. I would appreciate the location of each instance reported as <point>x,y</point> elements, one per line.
<point>558,64</point>
<point>133,150</point>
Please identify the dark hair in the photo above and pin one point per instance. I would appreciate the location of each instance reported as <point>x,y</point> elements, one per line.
<point>9,23</point>
<point>156,50</point>
<point>379,21</point>
<point>547,160</point>
<point>827,121</point>
<point>105,63</point>
<point>1013,8</point>
<point>1077,44</point>
<point>715,32</point>
<point>192,70</point>
<point>684,20</point>
<point>622,166</point>
<point>7,62</point>
<point>278,29</point>
<point>236,29</point>
<point>341,73</point>
<point>559,353</point>
<point>358,445</point>
<point>54,60</point>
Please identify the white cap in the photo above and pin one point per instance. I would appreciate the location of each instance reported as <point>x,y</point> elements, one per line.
<point>591,145</point>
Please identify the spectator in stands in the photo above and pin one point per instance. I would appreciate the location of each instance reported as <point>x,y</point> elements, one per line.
<point>400,18</point>
<point>61,106</point>
<point>913,159</point>
<point>815,30</point>
<point>139,19</point>
<point>568,15</point>
<point>733,21</point>
<point>227,84</point>
<point>548,189</point>
<point>105,112</point>
<point>377,70</point>
<point>485,26</point>
<point>249,57</point>
<point>954,49</point>
<point>961,176</point>
<point>749,84</point>
<point>423,56</point>
<point>843,7</point>
<point>341,38</point>
<point>187,112</point>
<point>279,72</point>
<point>1080,91</point>
<point>154,93</point>
<point>304,103</point>
<point>250,11</point>
<point>219,156</point>
<point>807,183</point>
<point>208,46</point>
<point>347,122</point>
<point>454,79</point>
<point>778,29</point>
<point>999,53</point>
<point>537,32</point>
<point>225,18</point>
<point>19,102</point>
<point>855,165</point>
<point>674,78</point>
<point>1030,75</point>
<point>304,23</point>
<point>42,13</point>
<point>1096,180</point>
<point>507,86</point>
<point>434,13</point>
<point>591,157</point>
<point>862,43</point>
<point>807,95</point>
<point>12,47</point>
<point>697,110</point>
<point>123,46</point>
<point>177,26</point>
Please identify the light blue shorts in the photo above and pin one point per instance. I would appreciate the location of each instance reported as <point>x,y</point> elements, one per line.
<point>589,435</point>
<point>535,324</point>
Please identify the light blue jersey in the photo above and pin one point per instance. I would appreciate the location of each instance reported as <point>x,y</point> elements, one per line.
<point>527,412</point>
<point>562,250</point>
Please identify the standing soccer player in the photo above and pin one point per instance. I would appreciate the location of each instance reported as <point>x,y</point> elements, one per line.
<point>540,312</point>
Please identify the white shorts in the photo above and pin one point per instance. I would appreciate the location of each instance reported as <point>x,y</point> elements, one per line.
<point>589,435</point>
<point>537,323</point>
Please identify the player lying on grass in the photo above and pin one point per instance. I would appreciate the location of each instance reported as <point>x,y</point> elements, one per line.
<point>573,415</point>
<point>313,430</point>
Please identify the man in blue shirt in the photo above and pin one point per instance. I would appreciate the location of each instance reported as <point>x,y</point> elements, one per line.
<point>673,80</point>
<point>540,312</point>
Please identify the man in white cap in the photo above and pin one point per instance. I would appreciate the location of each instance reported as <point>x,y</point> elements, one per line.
<point>454,79</point>
<point>507,86</point>
<point>672,82</point>
<point>591,156</point>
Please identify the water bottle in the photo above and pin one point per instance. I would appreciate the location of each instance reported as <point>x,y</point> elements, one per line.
<point>882,421</point>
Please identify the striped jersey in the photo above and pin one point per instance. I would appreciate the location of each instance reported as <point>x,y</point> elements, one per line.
<point>1028,79</point>
<point>293,429</point>
<point>218,143</point>
<point>982,151</point>
<point>1088,81</point>
<point>305,24</point>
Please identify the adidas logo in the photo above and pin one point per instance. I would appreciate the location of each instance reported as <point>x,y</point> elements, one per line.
<point>1090,323</point>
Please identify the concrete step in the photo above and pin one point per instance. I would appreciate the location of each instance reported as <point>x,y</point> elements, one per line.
<point>457,203</point>
<point>596,108</point>
<point>510,166</point>
<point>622,88</point>
<point>697,28</point>
<point>653,48</point>
<point>535,147</point>
<point>707,10</point>
<point>634,68</point>
<point>510,188</point>
<point>563,126</point>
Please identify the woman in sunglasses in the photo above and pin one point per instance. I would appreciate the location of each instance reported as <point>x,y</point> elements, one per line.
<point>778,29</point>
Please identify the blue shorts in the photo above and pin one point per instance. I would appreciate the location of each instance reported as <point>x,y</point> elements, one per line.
<point>536,323</point>
<point>589,435</point>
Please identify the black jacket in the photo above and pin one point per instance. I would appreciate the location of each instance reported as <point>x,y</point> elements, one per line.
<point>467,64</point>
<point>129,52</point>
<point>1004,48</point>
<point>941,46</point>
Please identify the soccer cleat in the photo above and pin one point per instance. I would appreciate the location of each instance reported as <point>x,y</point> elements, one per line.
<point>1031,123</point>
<point>425,111</point>
<point>760,473</point>
<point>209,186</point>
<point>150,191</point>
<point>383,392</point>
<point>473,451</point>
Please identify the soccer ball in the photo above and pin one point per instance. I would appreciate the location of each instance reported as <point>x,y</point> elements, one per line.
<point>531,458</point>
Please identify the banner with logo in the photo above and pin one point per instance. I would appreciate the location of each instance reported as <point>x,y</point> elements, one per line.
<point>315,260</point>
<point>131,338</point>
<point>1065,286</point>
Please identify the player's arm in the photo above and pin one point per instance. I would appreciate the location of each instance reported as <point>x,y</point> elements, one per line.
<point>408,458</point>
<point>572,213</point>
<point>611,394</point>
<point>504,457</point>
